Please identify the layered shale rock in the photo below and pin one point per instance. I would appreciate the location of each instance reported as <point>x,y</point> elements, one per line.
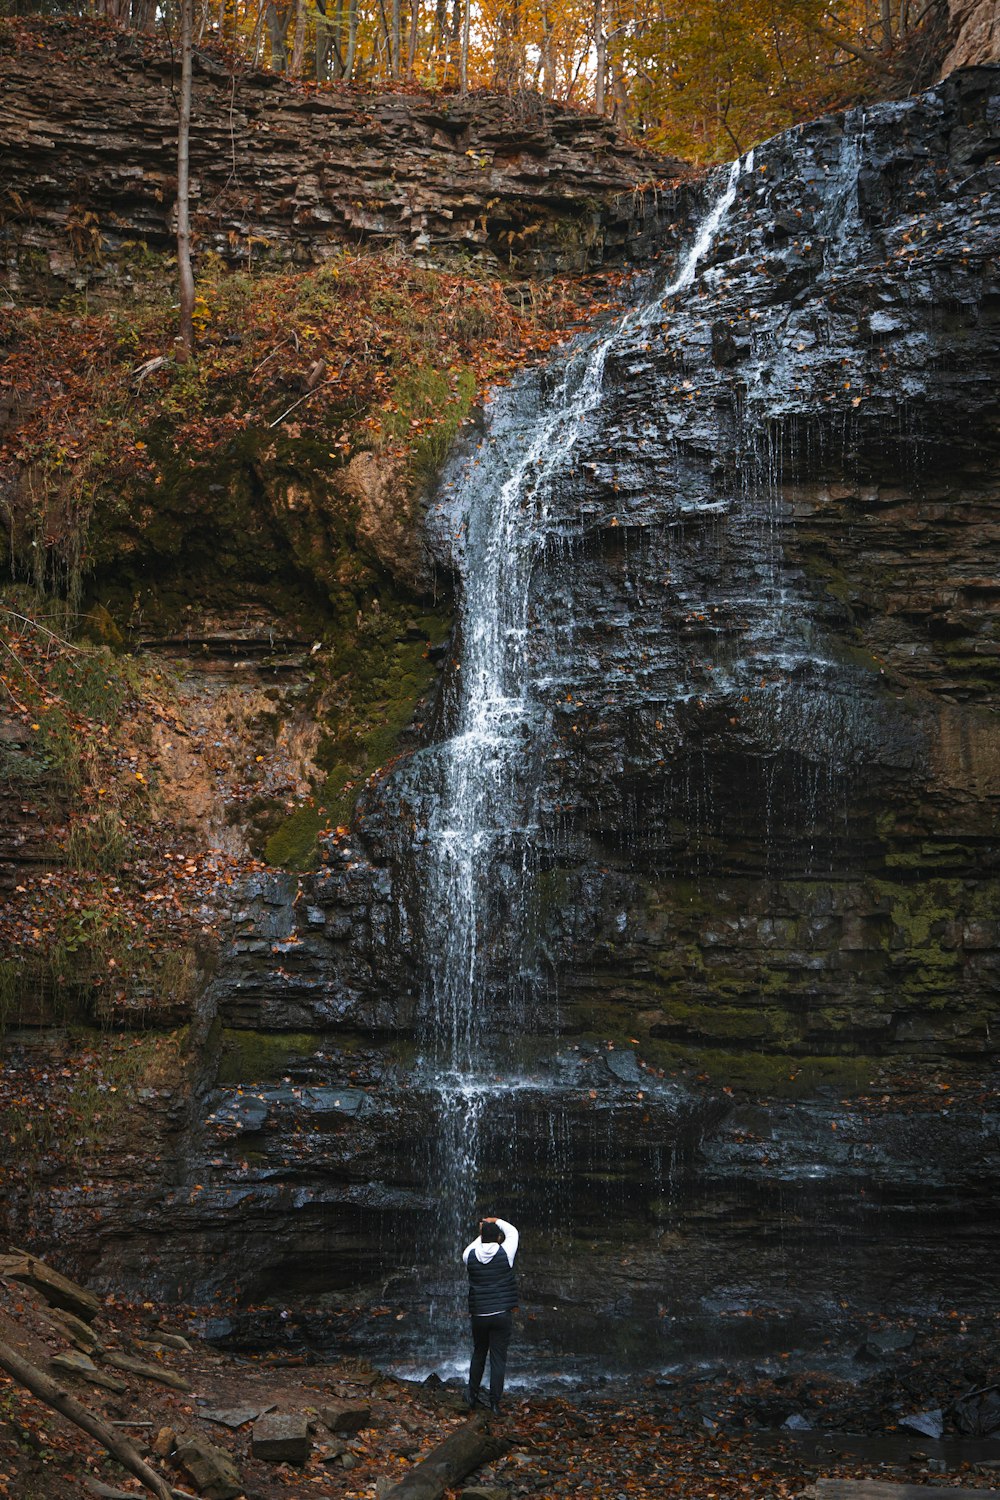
<point>281,173</point>
<point>760,811</point>
<point>745,923</point>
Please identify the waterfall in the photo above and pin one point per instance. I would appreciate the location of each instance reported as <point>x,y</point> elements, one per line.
<point>687,894</point>
<point>477,853</point>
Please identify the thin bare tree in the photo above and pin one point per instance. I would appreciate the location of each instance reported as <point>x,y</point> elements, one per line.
<point>184,269</point>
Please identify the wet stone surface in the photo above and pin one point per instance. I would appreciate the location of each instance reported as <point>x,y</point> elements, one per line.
<point>756,836</point>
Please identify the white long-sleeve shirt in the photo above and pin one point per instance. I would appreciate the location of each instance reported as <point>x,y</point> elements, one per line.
<point>484,1252</point>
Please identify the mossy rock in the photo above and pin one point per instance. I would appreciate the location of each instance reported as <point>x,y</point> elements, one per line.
<point>294,844</point>
<point>764,1074</point>
<point>262,1056</point>
<point>372,680</point>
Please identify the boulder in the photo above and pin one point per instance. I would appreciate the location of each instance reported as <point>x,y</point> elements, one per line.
<point>158,1373</point>
<point>883,1343</point>
<point>77,1331</point>
<point>234,1416</point>
<point>345,1416</point>
<point>281,1438</point>
<point>173,1340</point>
<point>81,1365</point>
<point>927,1423</point>
<point>57,1289</point>
<point>162,1346</point>
<point>164,1442</point>
<point>210,1469</point>
<point>977,1413</point>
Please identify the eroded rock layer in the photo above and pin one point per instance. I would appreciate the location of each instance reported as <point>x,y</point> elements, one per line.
<point>282,173</point>
<point>745,927</point>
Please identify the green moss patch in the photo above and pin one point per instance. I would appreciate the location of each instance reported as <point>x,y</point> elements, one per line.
<point>262,1056</point>
<point>366,693</point>
<point>761,1074</point>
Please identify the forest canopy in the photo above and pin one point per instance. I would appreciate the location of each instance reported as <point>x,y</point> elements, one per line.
<point>702,78</point>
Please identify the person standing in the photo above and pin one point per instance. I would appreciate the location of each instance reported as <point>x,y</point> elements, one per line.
<point>489,1261</point>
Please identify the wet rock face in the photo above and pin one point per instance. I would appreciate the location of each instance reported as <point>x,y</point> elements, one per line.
<point>757,846</point>
<point>759,817</point>
<point>764,624</point>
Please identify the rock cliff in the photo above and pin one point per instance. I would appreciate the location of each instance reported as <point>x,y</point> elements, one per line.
<point>742,933</point>
<point>975,30</point>
<point>281,173</point>
<point>746,929</point>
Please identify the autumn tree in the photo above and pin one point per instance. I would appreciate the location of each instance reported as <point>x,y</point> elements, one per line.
<point>703,78</point>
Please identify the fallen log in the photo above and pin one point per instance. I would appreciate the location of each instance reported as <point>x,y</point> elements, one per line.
<point>449,1463</point>
<point>108,1491</point>
<point>46,1389</point>
<point>878,1489</point>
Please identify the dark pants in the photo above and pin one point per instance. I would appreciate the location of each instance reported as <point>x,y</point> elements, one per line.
<point>490,1336</point>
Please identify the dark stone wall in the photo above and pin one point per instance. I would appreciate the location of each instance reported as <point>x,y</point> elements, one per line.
<point>757,970</point>
<point>789,516</point>
<point>764,642</point>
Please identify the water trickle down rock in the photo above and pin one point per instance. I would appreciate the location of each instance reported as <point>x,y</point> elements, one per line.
<point>697,767</point>
<point>734,796</point>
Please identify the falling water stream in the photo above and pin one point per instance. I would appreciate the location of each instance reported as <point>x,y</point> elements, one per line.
<point>477,853</point>
<point>669,788</point>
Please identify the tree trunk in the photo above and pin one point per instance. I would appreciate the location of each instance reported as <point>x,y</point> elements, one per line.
<point>184,271</point>
<point>46,1389</point>
<point>601,43</point>
<point>448,1463</point>
<point>395,41</point>
<point>277,32</point>
<point>509,67</point>
<point>352,40</point>
<point>202,23</point>
<point>546,51</point>
<point>298,40</point>
<point>324,41</point>
<point>338,40</point>
<point>411,56</point>
<point>463,56</point>
<point>258,27</point>
<point>438,44</point>
<point>454,58</point>
<point>144,15</point>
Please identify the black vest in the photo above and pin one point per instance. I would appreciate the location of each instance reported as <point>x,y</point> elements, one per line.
<point>492,1287</point>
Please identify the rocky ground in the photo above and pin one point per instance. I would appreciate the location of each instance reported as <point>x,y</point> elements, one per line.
<point>351,1431</point>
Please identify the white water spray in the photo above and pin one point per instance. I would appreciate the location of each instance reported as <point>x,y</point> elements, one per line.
<point>476,874</point>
